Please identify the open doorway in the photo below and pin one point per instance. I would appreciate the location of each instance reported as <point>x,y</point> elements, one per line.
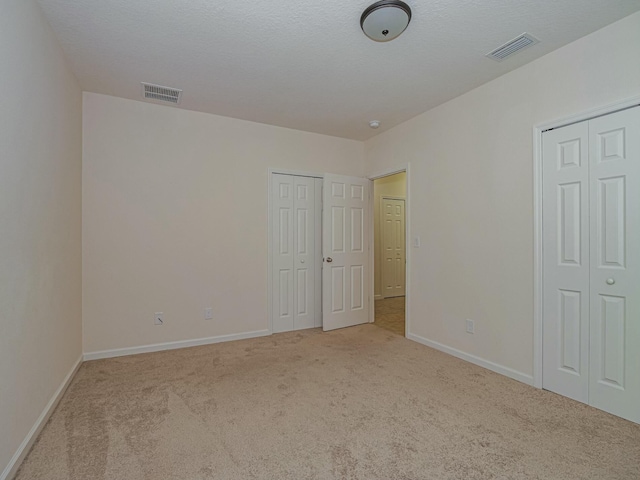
<point>389,240</point>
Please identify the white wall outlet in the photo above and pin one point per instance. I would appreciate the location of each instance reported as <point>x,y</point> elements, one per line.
<point>470,326</point>
<point>208,313</point>
<point>158,318</point>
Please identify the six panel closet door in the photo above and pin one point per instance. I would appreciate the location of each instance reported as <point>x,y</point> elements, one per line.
<point>296,215</point>
<point>591,262</point>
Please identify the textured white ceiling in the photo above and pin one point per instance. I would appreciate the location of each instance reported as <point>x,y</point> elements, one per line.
<point>306,64</point>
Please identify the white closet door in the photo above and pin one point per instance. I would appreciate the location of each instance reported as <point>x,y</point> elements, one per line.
<point>304,258</point>
<point>566,261</point>
<point>346,271</point>
<point>393,248</point>
<point>296,256</point>
<point>283,253</point>
<point>615,263</point>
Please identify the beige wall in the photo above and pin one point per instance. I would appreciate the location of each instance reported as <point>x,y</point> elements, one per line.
<point>471,190</point>
<point>392,186</point>
<point>175,218</point>
<point>40,214</point>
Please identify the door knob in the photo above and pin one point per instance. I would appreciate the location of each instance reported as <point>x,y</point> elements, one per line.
<point>329,259</point>
<point>610,281</point>
<point>302,261</point>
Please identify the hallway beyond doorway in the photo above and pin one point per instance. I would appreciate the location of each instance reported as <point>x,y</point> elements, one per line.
<point>390,314</point>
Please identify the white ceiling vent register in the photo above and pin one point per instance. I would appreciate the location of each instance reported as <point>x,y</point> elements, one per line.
<point>513,46</point>
<point>164,94</point>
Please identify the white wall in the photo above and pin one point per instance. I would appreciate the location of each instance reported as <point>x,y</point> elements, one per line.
<point>471,190</point>
<point>175,218</point>
<point>392,186</point>
<point>40,214</point>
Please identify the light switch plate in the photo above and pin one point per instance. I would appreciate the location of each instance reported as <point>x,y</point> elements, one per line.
<point>470,326</point>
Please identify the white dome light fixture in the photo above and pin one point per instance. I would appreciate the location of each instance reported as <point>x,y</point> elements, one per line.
<point>385,20</point>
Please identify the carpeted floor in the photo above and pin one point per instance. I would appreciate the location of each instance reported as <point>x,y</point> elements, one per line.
<point>390,314</point>
<point>358,403</point>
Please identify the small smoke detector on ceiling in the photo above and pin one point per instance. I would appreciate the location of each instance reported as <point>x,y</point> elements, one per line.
<point>512,47</point>
<point>164,94</point>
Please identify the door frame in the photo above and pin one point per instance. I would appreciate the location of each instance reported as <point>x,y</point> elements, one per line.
<point>406,168</point>
<point>538,130</point>
<point>381,220</point>
<point>270,173</point>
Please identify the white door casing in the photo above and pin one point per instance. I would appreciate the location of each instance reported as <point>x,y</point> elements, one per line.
<point>295,253</point>
<point>393,247</point>
<point>566,261</point>
<point>614,155</point>
<point>346,270</point>
<point>591,262</point>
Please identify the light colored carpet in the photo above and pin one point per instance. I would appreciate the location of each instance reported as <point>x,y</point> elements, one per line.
<point>358,403</point>
<point>390,314</point>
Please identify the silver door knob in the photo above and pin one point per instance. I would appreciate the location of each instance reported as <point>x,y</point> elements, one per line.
<point>329,259</point>
<point>302,261</point>
<point>610,281</point>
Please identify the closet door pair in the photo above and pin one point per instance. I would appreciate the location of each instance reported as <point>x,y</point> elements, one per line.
<point>591,262</point>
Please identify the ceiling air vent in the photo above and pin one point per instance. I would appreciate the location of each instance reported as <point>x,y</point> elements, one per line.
<point>513,46</point>
<point>164,94</point>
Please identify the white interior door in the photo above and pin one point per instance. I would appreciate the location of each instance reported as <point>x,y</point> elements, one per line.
<point>591,269</point>
<point>565,367</point>
<point>614,151</point>
<point>345,243</point>
<point>393,248</point>
<point>296,255</point>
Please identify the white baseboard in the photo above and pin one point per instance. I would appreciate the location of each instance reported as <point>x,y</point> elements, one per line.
<point>15,462</point>
<point>378,297</point>
<point>158,347</point>
<point>494,367</point>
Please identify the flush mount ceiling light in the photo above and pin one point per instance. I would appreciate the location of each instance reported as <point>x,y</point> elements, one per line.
<point>385,20</point>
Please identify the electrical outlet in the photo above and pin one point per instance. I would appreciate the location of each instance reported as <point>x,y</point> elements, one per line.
<point>208,313</point>
<point>158,318</point>
<point>470,326</point>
